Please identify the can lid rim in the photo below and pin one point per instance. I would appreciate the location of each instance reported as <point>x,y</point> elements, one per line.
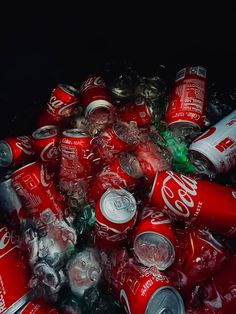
<point>132,214</point>
<point>159,235</point>
<point>25,166</point>
<point>50,127</point>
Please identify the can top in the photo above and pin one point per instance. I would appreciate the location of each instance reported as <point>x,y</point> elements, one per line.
<point>68,89</point>
<point>165,300</point>
<point>46,131</point>
<point>5,154</point>
<point>130,164</point>
<point>76,133</point>
<point>161,252</point>
<point>118,206</point>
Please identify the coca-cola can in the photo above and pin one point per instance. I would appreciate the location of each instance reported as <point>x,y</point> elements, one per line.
<point>138,111</point>
<point>154,240</point>
<point>198,255</point>
<point>46,142</point>
<point>10,203</point>
<point>38,193</point>
<point>37,307</point>
<point>141,291</point>
<point>187,104</point>
<point>217,295</point>
<point>195,202</point>
<point>13,267</point>
<point>114,139</point>
<point>15,151</point>
<point>124,172</point>
<point>60,107</point>
<point>215,150</point>
<point>76,158</point>
<point>116,214</point>
<point>94,95</point>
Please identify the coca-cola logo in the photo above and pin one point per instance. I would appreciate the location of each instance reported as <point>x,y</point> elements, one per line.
<point>109,233</point>
<point>60,107</point>
<point>92,81</point>
<point>24,143</point>
<point>49,152</point>
<point>7,241</point>
<point>156,218</point>
<point>177,192</point>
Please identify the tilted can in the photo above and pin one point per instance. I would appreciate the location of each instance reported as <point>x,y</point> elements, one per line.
<point>116,214</point>
<point>215,150</point>
<point>115,138</point>
<point>60,107</point>
<point>154,239</point>
<point>201,202</point>
<point>141,291</point>
<point>94,95</point>
<point>14,273</point>
<point>219,291</point>
<point>38,193</point>
<point>124,172</point>
<point>198,255</point>
<point>15,151</point>
<point>76,158</point>
<point>46,143</point>
<point>187,104</point>
<point>138,111</point>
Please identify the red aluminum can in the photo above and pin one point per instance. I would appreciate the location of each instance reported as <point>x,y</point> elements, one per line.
<point>15,151</point>
<point>46,142</point>
<point>154,240</point>
<point>187,104</point>
<point>197,202</point>
<point>114,139</point>
<point>94,95</point>
<point>141,291</point>
<point>198,256</point>
<point>14,273</point>
<point>219,291</point>
<point>215,150</point>
<point>151,158</point>
<point>60,107</point>
<point>38,193</point>
<point>76,158</point>
<point>116,214</point>
<point>37,307</point>
<point>124,172</point>
<point>138,111</point>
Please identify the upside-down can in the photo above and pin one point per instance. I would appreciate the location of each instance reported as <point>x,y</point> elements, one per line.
<point>141,291</point>
<point>15,151</point>
<point>39,195</point>
<point>14,273</point>
<point>94,95</point>
<point>201,203</point>
<point>215,150</point>
<point>153,239</point>
<point>60,107</point>
<point>46,142</point>
<point>187,104</point>
<point>116,214</point>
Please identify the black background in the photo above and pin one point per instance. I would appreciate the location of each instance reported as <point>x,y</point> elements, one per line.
<point>42,46</point>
